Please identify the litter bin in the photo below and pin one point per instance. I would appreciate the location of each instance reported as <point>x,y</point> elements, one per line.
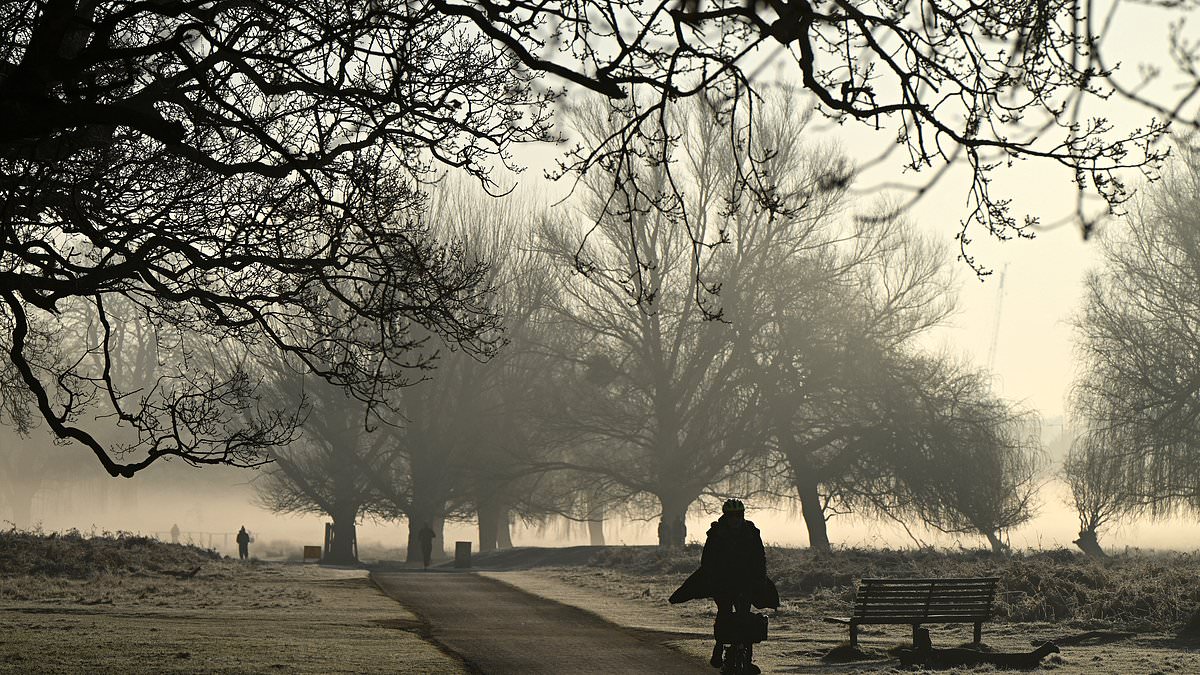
<point>462,554</point>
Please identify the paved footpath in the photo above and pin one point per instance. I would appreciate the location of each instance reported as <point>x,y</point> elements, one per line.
<point>498,629</point>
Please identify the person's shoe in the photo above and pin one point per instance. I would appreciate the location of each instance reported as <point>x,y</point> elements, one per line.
<point>716,661</point>
<point>754,670</point>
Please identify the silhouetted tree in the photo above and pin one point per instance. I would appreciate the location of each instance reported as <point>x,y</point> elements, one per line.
<point>506,393</point>
<point>1139,388</point>
<point>214,162</point>
<point>1097,475</point>
<point>221,168</point>
<point>979,84</point>
<point>32,463</point>
<point>328,469</point>
<point>969,462</point>
<point>843,316</point>
<point>463,440</point>
<point>662,403</point>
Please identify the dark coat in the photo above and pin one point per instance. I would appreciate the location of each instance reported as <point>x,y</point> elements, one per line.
<point>733,562</point>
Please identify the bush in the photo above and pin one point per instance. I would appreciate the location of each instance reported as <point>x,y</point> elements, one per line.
<point>74,555</point>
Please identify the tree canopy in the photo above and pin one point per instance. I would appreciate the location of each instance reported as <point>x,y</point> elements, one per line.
<point>1138,340</point>
<point>249,170</point>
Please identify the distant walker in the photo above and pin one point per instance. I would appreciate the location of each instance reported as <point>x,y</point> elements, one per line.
<point>243,542</point>
<point>426,537</point>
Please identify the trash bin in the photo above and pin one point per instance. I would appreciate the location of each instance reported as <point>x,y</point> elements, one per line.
<point>462,554</point>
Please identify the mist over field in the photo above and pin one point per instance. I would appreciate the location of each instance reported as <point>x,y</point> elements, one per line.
<point>433,336</point>
<point>210,514</point>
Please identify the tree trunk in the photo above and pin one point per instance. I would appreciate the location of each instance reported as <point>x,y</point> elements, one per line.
<point>489,526</point>
<point>998,545</point>
<point>342,549</point>
<point>1090,544</point>
<point>596,532</point>
<point>672,528</point>
<point>504,531</point>
<point>595,522</point>
<point>814,514</point>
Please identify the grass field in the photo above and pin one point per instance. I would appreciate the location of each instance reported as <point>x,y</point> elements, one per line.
<point>1128,615</point>
<point>123,604</point>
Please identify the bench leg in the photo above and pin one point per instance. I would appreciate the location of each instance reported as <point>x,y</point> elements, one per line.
<point>853,634</point>
<point>978,632</point>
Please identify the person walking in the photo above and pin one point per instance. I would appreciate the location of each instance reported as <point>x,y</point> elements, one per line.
<point>426,537</point>
<point>736,563</point>
<point>733,572</point>
<point>243,542</point>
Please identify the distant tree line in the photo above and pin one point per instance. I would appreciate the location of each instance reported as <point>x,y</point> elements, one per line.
<point>630,393</point>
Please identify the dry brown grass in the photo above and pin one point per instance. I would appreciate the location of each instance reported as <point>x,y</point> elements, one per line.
<point>1142,592</point>
<point>112,604</point>
<point>1054,595</point>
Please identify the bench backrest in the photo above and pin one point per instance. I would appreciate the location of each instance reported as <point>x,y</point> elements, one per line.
<point>932,600</point>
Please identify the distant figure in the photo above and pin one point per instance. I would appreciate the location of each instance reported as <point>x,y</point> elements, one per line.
<point>175,534</point>
<point>426,537</point>
<point>243,542</point>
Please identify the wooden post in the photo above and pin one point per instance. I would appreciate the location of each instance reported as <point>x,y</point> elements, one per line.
<point>978,632</point>
<point>853,634</point>
<point>916,627</point>
<point>462,554</point>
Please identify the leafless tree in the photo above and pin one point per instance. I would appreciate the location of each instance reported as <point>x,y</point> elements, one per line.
<point>1138,337</point>
<point>983,85</point>
<point>215,162</point>
<point>327,470</point>
<point>242,172</point>
<point>663,395</point>
<point>463,442</point>
<point>970,462</point>
<point>1097,477</point>
<point>842,319</point>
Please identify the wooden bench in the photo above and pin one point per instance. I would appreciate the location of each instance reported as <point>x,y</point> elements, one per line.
<point>920,601</point>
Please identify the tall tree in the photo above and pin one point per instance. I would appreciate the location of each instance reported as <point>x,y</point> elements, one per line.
<point>1138,338</point>
<point>214,161</point>
<point>462,439</point>
<point>328,469</point>
<point>842,319</point>
<point>662,392</point>
<point>977,84</point>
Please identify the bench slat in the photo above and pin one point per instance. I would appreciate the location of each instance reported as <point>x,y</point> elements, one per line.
<point>910,609</point>
<point>901,620</point>
<point>931,602</point>
<point>924,597</point>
